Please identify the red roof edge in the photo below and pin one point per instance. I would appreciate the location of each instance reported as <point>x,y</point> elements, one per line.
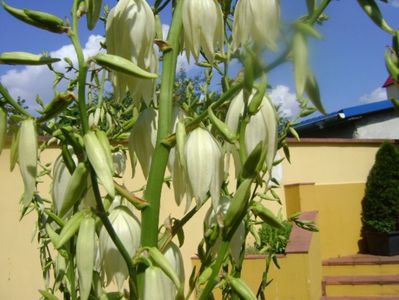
<point>388,82</point>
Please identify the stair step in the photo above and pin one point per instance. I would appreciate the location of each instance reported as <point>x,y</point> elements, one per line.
<point>361,264</point>
<point>351,280</point>
<point>383,285</point>
<point>361,259</point>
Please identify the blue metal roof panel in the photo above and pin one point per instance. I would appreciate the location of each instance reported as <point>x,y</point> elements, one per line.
<point>367,108</point>
<point>349,112</point>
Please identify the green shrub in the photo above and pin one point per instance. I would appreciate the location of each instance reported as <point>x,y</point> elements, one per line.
<point>381,201</point>
<point>274,240</point>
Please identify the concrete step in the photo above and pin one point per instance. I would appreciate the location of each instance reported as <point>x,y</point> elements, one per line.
<point>345,286</point>
<point>361,264</point>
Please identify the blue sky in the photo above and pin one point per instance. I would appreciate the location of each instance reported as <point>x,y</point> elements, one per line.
<point>348,61</point>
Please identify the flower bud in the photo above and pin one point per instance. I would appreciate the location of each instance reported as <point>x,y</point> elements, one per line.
<point>203,27</point>
<point>204,163</point>
<point>256,21</point>
<point>27,158</point>
<point>127,227</point>
<point>85,255</point>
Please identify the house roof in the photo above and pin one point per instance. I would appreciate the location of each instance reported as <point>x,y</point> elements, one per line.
<point>345,114</point>
<point>388,82</point>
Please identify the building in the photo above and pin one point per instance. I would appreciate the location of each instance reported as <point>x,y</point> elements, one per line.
<point>377,120</point>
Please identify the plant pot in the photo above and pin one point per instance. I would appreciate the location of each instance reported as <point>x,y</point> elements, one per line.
<point>381,243</point>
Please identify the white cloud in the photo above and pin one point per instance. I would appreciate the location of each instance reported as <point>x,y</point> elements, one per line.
<point>394,3</point>
<point>376,95</point>
<point>283,97</point>
<point>31,81</point>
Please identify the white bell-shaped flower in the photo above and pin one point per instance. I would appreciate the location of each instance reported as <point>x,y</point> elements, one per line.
<point>130,32</point>
<point>153,285</point>
<point>203,27</point>
<point>127,227</point>
<point>142,138</point>
<point>61,177</point>
<point>262,127</point>
<point>173,255</point>
<point>215,218</point>
<point>204,163</point>
<point>256,21</point>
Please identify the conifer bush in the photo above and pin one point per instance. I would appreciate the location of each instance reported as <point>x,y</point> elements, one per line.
<point>381,200</point>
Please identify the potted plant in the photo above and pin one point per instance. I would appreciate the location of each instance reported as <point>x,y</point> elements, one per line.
<point>380,204</point>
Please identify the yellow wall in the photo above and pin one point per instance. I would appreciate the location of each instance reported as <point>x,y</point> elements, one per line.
<point>339,207</point>
<point>328,163</point>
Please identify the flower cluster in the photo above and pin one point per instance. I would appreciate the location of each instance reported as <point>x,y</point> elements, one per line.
<point>130,33</point>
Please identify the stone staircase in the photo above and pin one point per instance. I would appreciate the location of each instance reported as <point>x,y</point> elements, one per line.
<point>361,277</point>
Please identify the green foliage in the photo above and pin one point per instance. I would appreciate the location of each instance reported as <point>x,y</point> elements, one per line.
<point>274,240</point>
<point>381,200</point>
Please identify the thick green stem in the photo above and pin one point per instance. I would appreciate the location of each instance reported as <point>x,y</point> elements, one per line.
<point>73,34</point>
<point>152,194</point>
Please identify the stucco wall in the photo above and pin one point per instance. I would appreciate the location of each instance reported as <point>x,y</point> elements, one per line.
<point>20,275</point>
<point>378,125</point>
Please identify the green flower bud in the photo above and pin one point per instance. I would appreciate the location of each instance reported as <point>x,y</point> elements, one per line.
<point>27,158</point>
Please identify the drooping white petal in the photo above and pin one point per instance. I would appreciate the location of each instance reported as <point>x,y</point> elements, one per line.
<point>262,127</point>
<point>271,120</point>
<point>127,227</point>
<point>61,178</point>
<point>130,32</point>
<point>255,132</point>
<point>142,138</point>
<point>173,255</point>
<point>204,163</point>
<point>153,286</point>
<point>203,27</point>
<point>198,151</point>
<point>256,21</point>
